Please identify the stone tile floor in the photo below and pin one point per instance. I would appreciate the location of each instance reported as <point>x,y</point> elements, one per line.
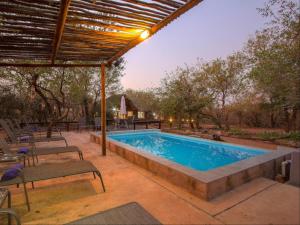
<point>62,200</point>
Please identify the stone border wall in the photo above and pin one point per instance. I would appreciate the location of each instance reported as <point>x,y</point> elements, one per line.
<point>206,185</point>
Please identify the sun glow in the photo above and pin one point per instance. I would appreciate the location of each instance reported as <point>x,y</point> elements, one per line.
<point>145,34</point>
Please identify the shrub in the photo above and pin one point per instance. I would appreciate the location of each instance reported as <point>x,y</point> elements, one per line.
<point>269,136</point>
<point>294,136</point>
<point>237,132</point>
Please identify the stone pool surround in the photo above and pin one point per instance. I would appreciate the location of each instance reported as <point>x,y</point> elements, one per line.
<point>208,184</point>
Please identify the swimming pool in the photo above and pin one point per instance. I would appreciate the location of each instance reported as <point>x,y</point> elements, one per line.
<point>205,168</point>
<point>194,153</point>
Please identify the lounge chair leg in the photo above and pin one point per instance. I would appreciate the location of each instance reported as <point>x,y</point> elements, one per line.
<point>33,160</point>
<point>66,143</point>
<point>80,156</point>
<point>26,196</point>
<point>32,184</point>
<point>99,174</point>
<point>9,206</point>
<point>37,159</point>
<point>94,175</point>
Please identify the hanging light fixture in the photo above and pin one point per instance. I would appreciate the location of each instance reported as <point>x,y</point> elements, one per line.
<point>145,34</point>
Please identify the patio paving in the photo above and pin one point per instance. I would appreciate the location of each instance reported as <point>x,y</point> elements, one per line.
<point>62,200</point>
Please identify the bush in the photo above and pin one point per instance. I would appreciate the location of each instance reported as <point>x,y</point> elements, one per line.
<point>237,132</point>
<point>269,136</point>
<point>294,136</point>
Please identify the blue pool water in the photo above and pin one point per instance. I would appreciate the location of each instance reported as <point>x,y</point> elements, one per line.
<point>195,153</point>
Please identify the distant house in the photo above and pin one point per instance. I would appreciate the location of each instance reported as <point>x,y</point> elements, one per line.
<point>113,106</point>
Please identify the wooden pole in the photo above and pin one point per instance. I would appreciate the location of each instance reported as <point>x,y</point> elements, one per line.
<point>103,110</point>
<point>64,6</point>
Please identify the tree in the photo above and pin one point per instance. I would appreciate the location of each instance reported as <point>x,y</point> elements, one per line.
<point>274,58</point>
<point>184,94</point>
<point>58,90</point>
<point>225,81</point>
<point>144,100</point>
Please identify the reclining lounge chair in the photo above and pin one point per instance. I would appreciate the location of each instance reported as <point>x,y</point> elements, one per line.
<point>35,152</point>
<point>32,128</point>
<point>16,138</point>
<point>131,213</point>
<point>50,171</point>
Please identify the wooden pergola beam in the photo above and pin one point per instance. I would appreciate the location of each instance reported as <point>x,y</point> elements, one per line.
<point>103,109</point>
<point>156,28</point>
<point>61,21</point>
<point>47,65</point>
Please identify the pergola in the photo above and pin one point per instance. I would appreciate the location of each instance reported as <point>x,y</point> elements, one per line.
<point>62,33</point>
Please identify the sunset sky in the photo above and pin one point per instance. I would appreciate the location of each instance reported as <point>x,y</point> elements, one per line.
<point>214,28</point>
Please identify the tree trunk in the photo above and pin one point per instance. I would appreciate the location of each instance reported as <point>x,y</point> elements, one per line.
<point>49,129</point>
<point>86,109</point>
<point>227,126</point>
<point>294,119</point>
<point>191,123</point>
<point>287,119</point>
<point>272,120</point>
<point>240,118</point>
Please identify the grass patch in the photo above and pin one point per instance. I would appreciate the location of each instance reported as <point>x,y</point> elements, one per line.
<point>270,136</point>
<point>294,136</point>
<point>237,132</point>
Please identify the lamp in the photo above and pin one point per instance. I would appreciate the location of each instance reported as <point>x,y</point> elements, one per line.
<point>145,34</point>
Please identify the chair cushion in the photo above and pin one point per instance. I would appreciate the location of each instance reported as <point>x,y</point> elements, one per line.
<point>24,138</point>
<point>23,150</point>
<point>12,172</point>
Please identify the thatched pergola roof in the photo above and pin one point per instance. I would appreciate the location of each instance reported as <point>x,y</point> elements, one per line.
<point>53,32</point>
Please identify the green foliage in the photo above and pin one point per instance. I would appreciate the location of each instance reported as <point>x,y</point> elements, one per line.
<point>294,136</point>
<point>259,85</point>
<point>270,136</point>
<point>144,100</point>
<point>53,92</point>
<point>183,95</point>
<point>274,58</point>
<point>237,132</point>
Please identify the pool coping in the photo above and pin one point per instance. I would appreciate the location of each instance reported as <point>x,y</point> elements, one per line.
<point>212,182</point>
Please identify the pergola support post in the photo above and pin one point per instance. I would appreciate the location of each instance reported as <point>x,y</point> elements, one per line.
<point>103,110</point>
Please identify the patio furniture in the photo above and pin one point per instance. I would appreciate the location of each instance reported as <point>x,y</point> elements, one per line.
<point>39,127</point>
<point>14,125</point>
<point>35,152</point>
<point>82,124</point>
<point>20,132</point>
<point>117,123</point>
<point>15,138</point>
<point>130,121</point>
<point>295,169</point>
<point>5,194</point>
<point>131,213</point>
<point>146,122</point>
<point>9,156</point>
<point>97,123</point>
<point>50,171</point>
